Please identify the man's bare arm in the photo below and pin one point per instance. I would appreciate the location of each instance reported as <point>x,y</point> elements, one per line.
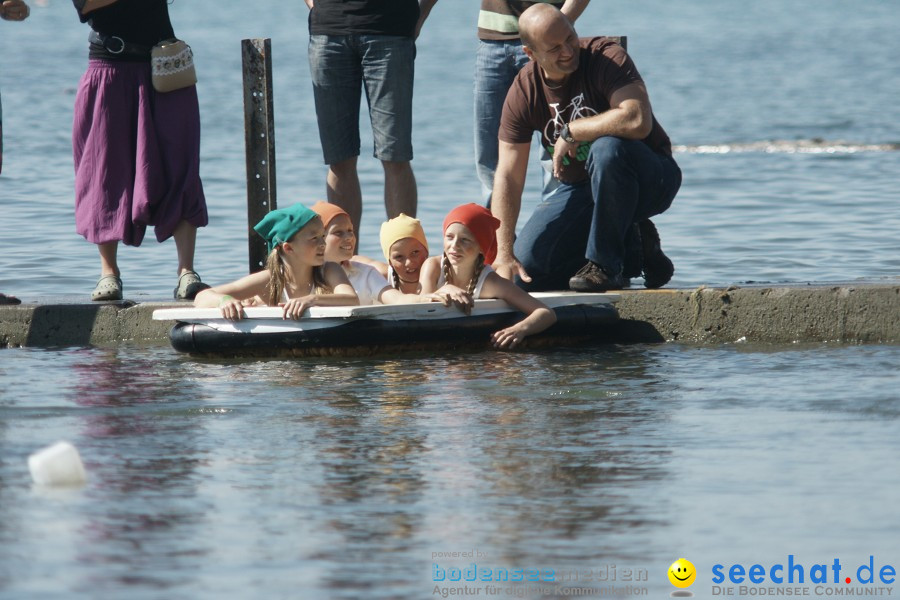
<point>629,117</point>
<point>506,202</point>
<point>91,5</point>
<point>425,7</point>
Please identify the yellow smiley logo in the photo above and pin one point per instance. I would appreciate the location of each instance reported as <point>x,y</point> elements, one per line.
<point>682,573</point>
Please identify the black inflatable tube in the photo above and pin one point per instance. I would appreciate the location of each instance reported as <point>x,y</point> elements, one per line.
<point>367,336</point>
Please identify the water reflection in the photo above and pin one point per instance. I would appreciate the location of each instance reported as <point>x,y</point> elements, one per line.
<point>557,447</point>
<point>371,446</point>
<point>142,507</point>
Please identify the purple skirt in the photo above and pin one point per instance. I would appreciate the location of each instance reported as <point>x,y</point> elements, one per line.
<point>137,155</point>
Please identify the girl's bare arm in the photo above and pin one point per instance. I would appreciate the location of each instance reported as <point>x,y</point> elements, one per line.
<point>539,316</point>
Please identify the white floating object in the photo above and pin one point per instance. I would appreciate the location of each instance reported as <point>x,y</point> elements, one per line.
<point>59,464</point>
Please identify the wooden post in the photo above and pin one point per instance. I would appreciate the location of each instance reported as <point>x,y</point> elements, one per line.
<point>259,131</point>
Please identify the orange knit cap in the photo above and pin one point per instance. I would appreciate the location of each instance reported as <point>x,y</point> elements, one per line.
<point>481,223</point>
<point>327,211</point>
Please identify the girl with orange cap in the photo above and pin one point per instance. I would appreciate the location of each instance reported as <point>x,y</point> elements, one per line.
<point>296,276</point>
<point>340,241</point>
<point>463,274</point>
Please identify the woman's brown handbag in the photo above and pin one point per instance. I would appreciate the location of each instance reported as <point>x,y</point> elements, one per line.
<point>172,66</point>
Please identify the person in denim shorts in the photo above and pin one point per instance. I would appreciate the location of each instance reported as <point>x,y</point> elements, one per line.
<point>371,44</point>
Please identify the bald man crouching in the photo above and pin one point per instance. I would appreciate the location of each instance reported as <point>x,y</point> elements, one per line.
<point>613,159</point>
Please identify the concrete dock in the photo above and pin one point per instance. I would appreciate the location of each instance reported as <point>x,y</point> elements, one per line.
<point>815,312</point>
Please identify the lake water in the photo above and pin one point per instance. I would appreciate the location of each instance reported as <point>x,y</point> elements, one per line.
<point>333,478</point>
<point>348,478</point>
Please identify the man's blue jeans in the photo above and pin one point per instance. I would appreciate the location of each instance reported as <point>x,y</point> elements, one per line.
<point>592,220</point>
<point>496,65</point>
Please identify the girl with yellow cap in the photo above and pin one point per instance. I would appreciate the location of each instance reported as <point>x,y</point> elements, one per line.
<point>405,250</point>
<point>464,273</point>
<point>296,276</point>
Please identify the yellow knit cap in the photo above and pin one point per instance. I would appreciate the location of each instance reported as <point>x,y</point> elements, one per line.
<point>399,228</point>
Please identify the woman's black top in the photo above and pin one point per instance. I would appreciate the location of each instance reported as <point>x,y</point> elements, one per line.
<point>141,23</point>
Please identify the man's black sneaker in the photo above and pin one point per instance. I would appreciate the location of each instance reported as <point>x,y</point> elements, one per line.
<point>658,269</point>
<point>633,254</point>
<point>592,278</point>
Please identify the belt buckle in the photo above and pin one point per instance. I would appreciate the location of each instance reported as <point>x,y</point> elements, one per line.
<point>114,38</point>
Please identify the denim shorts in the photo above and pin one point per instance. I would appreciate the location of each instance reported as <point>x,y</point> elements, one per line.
<point>341,65</point>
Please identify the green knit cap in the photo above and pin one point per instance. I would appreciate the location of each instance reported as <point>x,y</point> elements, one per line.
<point>280,225</point>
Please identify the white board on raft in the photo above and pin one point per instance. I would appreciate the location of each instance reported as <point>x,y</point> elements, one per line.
<point>268,319</point>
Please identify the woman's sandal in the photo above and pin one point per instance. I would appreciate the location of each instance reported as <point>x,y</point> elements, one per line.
<point>189,285</point>
<point>109,287</point>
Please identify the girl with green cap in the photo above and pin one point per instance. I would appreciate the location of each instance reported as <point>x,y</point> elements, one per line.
<point>296,274</point>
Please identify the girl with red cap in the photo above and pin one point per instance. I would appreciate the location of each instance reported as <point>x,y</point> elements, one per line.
<point>463,274</point>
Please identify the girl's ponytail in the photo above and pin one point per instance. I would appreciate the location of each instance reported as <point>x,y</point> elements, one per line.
<point>277,276</point>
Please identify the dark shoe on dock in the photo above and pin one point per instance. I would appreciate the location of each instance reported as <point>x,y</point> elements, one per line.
<point>658,269</point>
<point>592,278</point>
<point>189,285</point>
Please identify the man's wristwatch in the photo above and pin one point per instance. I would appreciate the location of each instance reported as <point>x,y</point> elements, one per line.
<point>564,134</point>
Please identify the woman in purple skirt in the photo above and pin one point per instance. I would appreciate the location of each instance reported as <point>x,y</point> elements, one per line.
<point>137,151</point>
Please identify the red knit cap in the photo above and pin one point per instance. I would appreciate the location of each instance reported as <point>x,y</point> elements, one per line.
<point>481,223</point>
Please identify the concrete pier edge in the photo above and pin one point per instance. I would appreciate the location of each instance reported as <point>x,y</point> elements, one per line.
<point>779,314</point>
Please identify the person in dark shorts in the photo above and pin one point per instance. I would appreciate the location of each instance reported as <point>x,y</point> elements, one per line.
<point>371,44</point>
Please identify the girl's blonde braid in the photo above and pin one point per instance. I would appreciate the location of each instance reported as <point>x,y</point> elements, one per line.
<point>445,266</point>
<point>470,288</point>
<point>479,267</point>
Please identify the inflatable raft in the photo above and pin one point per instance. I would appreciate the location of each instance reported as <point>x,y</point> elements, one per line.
<point>353,330</point>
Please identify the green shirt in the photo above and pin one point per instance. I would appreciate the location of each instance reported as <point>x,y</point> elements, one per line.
<point>499,19</point>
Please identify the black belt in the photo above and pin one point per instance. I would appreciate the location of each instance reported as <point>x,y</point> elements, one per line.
<point>116,45</point>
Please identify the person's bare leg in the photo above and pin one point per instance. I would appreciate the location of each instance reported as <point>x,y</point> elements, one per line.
<point>344,189</point>
<point>185,236</point>
<point>400,192</point>
<point>109,264</point>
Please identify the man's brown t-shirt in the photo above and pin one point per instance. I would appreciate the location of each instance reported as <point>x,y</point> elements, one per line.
<point>531,105</point>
